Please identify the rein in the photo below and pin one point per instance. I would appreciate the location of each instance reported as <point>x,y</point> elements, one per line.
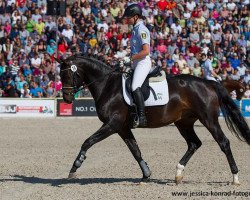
<point>75,74</point>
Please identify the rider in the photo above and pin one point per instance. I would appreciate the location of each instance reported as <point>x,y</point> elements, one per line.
<point>140,56</point>
<point>207,67</point>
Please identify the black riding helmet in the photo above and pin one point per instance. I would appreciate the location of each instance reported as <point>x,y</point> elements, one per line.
<point>132,10</point>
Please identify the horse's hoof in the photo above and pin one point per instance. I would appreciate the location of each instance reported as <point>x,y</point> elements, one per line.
<point>143,183</point>
<point>178,179</point>
<point>144,180</point>
<point>72,176</point>
<point>237,183</point>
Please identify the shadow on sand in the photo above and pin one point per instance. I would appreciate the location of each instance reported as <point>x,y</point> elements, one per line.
<point>82,181</point>
<point>86,181</point>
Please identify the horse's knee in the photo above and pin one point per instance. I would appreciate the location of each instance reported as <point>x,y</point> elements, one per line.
<point>224,145</point>
<point>195,145</point>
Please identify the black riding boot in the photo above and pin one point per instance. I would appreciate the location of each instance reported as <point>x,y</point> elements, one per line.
<point>139,101</point>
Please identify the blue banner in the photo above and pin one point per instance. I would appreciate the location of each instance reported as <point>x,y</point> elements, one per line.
<point>245,107</point>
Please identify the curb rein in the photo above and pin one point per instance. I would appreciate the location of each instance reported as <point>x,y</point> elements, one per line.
<point>75,75</point>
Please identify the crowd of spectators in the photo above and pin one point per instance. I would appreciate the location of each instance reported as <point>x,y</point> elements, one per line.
<point>181,31</point>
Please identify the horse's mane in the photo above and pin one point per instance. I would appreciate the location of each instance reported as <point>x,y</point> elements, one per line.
<point>92,59</point>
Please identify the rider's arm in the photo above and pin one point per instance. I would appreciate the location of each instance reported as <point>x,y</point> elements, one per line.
<point>142,54</point>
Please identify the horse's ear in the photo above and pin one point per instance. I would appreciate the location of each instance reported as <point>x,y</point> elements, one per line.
<point>58,60</point>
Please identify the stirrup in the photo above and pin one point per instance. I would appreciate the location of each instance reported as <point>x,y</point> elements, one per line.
<point>137,123</point>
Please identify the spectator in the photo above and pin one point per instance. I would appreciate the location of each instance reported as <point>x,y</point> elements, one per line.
<point>191,60</point>
<point>235,61</point>
<point>50,90</point>
<point>246,79</point>
<point>36,91</point>
<point>197,71</point>
<point>219,27</point>
<point>36,64</point>
<point>25,92</point>
<point>51,48</point>
<point>58,86</point>
<point>68,33</point>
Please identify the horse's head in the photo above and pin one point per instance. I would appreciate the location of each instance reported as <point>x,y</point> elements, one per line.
<point>240,90</point>
<point>71,80</point>
<point>236,86</point>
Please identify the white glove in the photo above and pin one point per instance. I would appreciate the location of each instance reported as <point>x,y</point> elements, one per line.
<point>219,78</point>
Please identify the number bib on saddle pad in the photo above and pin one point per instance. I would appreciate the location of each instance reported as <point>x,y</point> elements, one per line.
<point>157,91</point>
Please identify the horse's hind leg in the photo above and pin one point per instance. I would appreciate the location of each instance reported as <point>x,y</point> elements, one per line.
<point>221,139</point>
<point>98,136</point>
<point>186,128</point>
<point>130,141</point>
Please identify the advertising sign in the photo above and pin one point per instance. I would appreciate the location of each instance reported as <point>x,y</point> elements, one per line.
<point>65,109</point>
<point>80,107</point>
<point>245,107</point>
<point>27,108</point>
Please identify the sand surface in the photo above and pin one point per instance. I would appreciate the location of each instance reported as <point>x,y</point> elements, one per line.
<point>37,154</point>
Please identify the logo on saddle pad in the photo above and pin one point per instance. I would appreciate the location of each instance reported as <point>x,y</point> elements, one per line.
<point>154,89</point>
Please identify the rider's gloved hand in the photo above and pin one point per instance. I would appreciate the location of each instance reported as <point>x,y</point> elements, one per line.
<point>219,78</point>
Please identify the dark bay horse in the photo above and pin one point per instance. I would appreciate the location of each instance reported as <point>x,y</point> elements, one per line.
<point>190,99</point>
<point>237,86</point>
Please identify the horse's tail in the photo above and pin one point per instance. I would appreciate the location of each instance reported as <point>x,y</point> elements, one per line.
<point>233,117</point>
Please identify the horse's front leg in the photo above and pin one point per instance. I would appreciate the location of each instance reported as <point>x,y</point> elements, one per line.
<point>105,131</point>
<point>129,139</point>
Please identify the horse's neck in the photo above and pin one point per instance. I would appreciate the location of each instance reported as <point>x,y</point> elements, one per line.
<point>97,78</point>
<point>232,86</point>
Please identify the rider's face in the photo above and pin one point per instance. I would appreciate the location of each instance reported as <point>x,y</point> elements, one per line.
<point>130,20</point>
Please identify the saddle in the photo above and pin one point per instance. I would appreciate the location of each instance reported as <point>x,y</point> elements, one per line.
<point>145,88</point>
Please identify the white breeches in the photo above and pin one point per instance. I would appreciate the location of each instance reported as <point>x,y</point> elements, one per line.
<point>141,70</point>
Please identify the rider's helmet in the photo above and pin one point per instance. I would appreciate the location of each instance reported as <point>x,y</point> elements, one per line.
<point>132,10</point>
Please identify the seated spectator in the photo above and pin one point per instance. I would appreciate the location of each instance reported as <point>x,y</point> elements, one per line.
<point>26,70</point>
<point>194,48</point>
<point>20,83</point>
<point>194,36</point>
<point>41,47</point>
<point>181,61</point>
<point>175,69</point>
<point>50,90</point>
<point>9,91</point>
<point>2,68</point>
<point>40,26</point>
<point>246,78</point>
<point>25,92</point>
<point>51,47</point>
<point>68,33</point>
<point>247,92</point>
<point>235,61</point>
<point>161,47</point>
<point>197,71</point>
<point>36,91</point>
<point>185,70</point>
<point>176,55</point>
<point>235,76</point>
<point>192,60</point>
<point>58,86</point>
<point>216,37</point>
<point>14,67</point>
<point>36,64</point>
<point>121,53</point>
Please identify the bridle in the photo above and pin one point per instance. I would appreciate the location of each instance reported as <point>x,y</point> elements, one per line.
<point>75,75</point>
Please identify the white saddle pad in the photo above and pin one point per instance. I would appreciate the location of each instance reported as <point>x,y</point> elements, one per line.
<point>161,91</point>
